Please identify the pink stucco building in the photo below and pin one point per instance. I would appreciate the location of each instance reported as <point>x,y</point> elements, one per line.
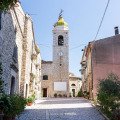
<point>100,58</point>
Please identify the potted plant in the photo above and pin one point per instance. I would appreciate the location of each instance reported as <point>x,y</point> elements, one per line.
<point>55,95</point>
<point>30,100</point>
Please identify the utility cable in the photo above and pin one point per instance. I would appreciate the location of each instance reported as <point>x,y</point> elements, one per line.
<point>102,20</point>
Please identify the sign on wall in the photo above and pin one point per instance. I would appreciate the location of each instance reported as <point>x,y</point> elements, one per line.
<point>60,86</point>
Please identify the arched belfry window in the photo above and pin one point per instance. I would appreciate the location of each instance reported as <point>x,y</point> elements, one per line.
<point>73,85</point>
<point>60,40</point>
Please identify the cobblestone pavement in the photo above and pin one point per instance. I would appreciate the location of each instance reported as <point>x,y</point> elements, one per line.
<point>61,109</point>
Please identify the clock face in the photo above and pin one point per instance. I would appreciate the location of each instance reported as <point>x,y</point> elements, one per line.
<point>60,53</point>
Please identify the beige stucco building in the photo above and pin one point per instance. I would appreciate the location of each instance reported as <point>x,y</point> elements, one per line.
<point>75,84</point>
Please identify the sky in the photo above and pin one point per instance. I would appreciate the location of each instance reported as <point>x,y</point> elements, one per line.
<point>83,18</point>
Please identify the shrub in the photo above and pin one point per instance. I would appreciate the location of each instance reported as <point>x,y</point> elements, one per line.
<point>116,115</point>
<point>59,95</point>
<point>64,95</point>
<point>109,94</point>
<point>12,105</point>
<point>30,99</point>
<point>55,95</point>
<point>80,94</point>
<point>86,94</point>
<point>5,103</point>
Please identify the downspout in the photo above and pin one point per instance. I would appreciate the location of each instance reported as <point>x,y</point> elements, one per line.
<point>92,70</point>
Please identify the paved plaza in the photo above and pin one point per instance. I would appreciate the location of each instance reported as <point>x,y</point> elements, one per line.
<point>61,109</point>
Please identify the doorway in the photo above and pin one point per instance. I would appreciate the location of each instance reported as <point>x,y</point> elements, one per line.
<point>12,88</point>
<point>73,92</point>
<point>26,91</point>
<point>44,92</point>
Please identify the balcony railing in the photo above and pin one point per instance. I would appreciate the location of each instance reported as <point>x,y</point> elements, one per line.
<point>33,56</point>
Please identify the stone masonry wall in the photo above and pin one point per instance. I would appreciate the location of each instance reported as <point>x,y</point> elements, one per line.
<point>7,44</point>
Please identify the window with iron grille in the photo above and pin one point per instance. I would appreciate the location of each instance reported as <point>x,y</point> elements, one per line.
<point>45,77</point>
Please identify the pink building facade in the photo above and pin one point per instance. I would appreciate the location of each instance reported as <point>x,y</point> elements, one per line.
<point>101,58</point>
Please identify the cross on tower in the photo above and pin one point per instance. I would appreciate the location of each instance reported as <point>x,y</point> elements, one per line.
<point>60,14</point>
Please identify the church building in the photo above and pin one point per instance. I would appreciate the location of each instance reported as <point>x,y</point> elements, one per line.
<point>55,74</point>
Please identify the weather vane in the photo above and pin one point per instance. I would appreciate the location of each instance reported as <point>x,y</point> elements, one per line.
<point>60,14</point>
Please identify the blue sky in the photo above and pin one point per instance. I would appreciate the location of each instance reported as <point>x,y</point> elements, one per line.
<point>83,17</point>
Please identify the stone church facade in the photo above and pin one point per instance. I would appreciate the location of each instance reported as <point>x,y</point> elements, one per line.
<point>55,74</point>
<point>19,53</point>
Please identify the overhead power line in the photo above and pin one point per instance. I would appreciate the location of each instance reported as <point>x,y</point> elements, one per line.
<point>102,20</point>
<point>77,46</point>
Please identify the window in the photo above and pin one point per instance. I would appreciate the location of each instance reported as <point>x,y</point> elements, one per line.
<point>15,54</point>
<point>60,40</point>
<point>73,85</point>
<point>0,20</point>
<point>45,77</point>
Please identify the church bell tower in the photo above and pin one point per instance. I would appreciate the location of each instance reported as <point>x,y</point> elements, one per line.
<point>61,57</point>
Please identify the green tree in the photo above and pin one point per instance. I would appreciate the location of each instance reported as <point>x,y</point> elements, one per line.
<point>7,4</point>
<point>109,94</point>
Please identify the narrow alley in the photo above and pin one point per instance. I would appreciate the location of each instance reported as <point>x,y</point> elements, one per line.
<point>61,109</point>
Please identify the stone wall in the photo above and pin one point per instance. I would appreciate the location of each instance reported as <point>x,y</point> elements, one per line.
<point>47,68</point>
<point>7,44</point>
<point>17,30</point>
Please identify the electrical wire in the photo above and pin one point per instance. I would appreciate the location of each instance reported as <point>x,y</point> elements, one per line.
<point>102,20</point>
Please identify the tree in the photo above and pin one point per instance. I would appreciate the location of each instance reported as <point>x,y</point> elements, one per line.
<point>109,94</point>
<point>7,4</point>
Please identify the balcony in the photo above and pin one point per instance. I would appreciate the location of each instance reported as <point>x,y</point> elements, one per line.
<point>33,56</point>
<point>82,70</point>
<point>32,76</point>
<point>37,49</point>
<point>84,64</point>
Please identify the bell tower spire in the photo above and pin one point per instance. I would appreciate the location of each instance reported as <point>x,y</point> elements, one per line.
<point>60,14</point>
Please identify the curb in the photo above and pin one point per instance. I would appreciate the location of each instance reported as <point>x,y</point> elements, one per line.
<point>106,118</point>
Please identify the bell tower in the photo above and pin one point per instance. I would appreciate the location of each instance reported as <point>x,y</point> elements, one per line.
<point>61,57</point>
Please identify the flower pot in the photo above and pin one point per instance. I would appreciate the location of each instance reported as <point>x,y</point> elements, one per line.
<point>29,103</point>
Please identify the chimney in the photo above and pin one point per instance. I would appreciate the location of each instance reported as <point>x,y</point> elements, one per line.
<point>116,30</point>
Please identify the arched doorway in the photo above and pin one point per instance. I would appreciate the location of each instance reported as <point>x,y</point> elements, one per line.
<point>73,92</point>
<point>12,88</point>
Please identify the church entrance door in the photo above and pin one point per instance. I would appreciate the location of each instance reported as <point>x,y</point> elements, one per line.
<point>44,92</point>
<point>73,92</point>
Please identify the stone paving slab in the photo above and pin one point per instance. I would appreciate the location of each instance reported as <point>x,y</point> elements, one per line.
<point>61,109</point>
